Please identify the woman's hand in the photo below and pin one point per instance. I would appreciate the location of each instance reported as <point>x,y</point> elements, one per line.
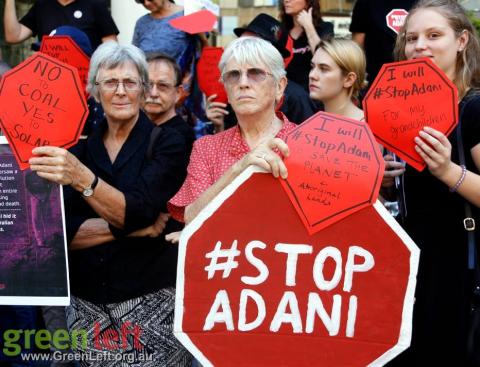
<point>216,112</point>
<point>173,237</point>
<point>392,169</point>
<point>60,166</point>
<point>264,156</point>
<point>305,19</point>
<point>153,230</point>
<point>436,150</point>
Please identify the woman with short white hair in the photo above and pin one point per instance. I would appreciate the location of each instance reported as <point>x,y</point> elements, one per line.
<point>254,77</point>
<point>116,185</point>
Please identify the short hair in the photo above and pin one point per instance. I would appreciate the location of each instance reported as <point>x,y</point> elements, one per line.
<point>161,57</point>
<point>350,58</point>
<point>110,55</point>
<point>468,60</point>
<point>4,67</point>
<point>252,50</point>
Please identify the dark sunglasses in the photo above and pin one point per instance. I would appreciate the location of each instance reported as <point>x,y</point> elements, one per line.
<point>142,1</point>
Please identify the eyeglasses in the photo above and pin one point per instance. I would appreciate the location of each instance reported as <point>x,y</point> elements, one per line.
<point>254,75</point>
<point>161,86</point>
<point>142,1</point>
<point>110,85</point>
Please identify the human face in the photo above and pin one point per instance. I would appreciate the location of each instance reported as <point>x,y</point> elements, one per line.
<point>163,92</point>
<point>294,7</point>
<point>248,96</point>
<point>327,81</point>
<point>155,5</point>
<point>120,105</point>
<point>428,34</point>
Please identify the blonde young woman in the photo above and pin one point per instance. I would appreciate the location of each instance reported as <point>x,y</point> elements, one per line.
<point>435,198</point>
<point>336,77</point>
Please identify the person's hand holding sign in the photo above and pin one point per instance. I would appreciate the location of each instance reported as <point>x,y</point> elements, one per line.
<point>60,166</point>
<point>392,169</point>
<point>264,156</point>
<point>216,112</point>
<point>435,149</point>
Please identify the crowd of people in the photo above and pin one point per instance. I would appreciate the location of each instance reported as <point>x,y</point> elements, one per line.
<point>141,174</point>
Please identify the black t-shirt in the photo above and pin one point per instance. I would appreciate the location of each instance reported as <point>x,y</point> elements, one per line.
<point>299,67</point>
<point>370,17</point>
<point>90,16</point>
<point>177,123</point>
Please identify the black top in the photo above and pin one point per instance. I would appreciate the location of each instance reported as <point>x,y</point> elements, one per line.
<point>177,123</point>
<point>370,17</point>
<point>127,267</point>
<point>297,105</point>
<point>90,16</point>
<point>434,220</point>
<point>299,67</point>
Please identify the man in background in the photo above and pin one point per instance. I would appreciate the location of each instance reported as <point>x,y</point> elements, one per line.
<point>164,90</point>
<point>90,16</point>
<point>376,32</point>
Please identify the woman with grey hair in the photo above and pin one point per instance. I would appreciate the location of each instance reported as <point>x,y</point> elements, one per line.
<point>116,186</point>
<point>254,78</point>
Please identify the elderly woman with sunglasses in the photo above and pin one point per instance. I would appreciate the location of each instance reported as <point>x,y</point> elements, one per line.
<point>254,78</point>
<point>116,187</point>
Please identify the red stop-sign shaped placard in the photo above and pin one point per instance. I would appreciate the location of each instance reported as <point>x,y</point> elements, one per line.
<point>42,104</point>
<point>396,18</point>
<point>208,73</point>
<point>63,48</point>
<point>199,22</point>
<point>335,168</point>
<point>255,289</point>
<point>405,97</point>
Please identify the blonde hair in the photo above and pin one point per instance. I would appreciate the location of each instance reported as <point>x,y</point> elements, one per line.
<point>467,69</point>
<point>350,58</point>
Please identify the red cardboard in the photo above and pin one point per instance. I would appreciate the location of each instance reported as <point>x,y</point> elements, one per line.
<point>255,289</point>
<point>405,97</point>
<point>335,168</point>
<point>208,73</point>
<point>42,104</point>
<point>199,22</point>
<point>65,49</point>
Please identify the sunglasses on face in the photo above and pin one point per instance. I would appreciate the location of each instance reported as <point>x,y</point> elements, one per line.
<point>142,1</point>
<point>254,75</point>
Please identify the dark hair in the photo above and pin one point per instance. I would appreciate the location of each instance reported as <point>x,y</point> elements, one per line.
<point>467,71</point>
<point>287,20</point>
<point>161,57</point>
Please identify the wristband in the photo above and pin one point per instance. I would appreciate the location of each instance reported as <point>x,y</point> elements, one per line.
<point>460,180</point>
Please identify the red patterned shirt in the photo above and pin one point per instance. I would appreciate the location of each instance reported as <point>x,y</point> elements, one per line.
<point>211,157</point>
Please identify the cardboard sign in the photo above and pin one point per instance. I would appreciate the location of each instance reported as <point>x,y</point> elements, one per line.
<point>208,73</point>
<point>193,6</point>
<point>405,97</point>
<point>33,249</point>
<point>199,22</point>
<point>255,289</point>
<point>42,103</point>
<point>396,19</point>
<point>335,168</point>
<point>63,48</point>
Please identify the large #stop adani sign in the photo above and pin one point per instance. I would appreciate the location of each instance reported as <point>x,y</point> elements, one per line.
<point>254,288</point>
